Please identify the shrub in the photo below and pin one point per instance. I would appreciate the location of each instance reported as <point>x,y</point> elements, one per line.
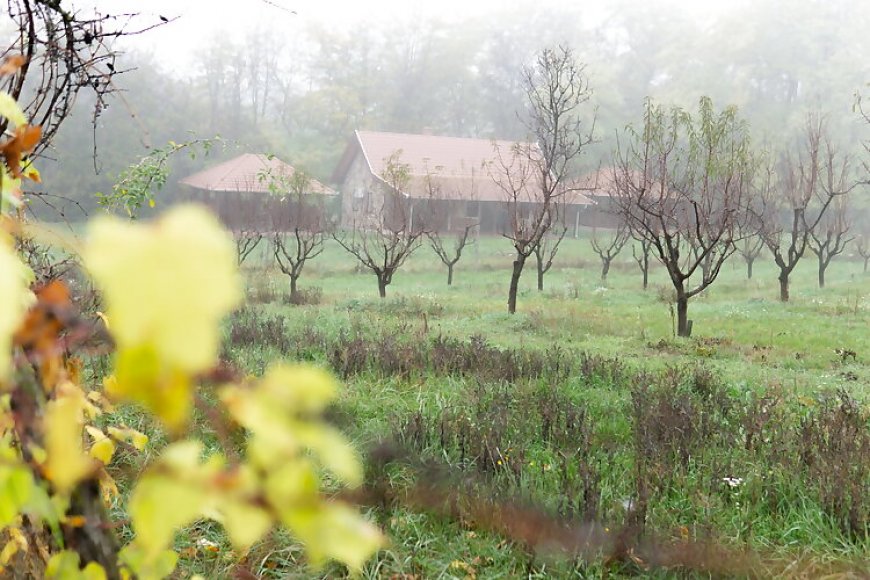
<point>311,296</point>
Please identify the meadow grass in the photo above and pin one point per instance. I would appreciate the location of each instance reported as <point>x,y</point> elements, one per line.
<point>584,406</point>
<point>740,325</point>
<point>773,363</point>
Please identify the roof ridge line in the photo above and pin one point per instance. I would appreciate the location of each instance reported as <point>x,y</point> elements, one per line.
<point>365,153</point>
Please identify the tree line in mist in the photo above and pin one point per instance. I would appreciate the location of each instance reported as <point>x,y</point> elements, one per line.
<point>300,93</point>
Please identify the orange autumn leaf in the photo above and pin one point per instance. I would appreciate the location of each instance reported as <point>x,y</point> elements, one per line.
<point>40,331</point>
<point>23,140</point>
<point>55,293</point>
<point>42,326</point>
<point>76,521</point>
<point>12,64</point>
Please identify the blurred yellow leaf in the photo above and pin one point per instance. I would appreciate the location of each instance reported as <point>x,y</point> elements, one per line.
<point>300,389</point>
<point>281,413</point>
<point>102,448</point>
<point>333,451</point>
<point>159,506</point>
<point>65,464</point>
<point>13,305</point>
<point>244,523</point>
<point>334,531</point>
<point>16,543</point>
<point>108,487</point>
<point>291,483</point>
<point>279,480</point>
<point>147,567</point>
<point>65,566</point>
<point>10,109</point>
<point>30,172</point>
<point>100,400</point>
<point>141,376</point>
<point>166,286</point>
<point>131,436</point>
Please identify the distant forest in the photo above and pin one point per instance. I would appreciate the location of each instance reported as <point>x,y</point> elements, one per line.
<point>301,96</point>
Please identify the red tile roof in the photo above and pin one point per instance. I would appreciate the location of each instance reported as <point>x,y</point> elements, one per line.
<point>604,182</point>
<point>246,173</point>
<point>460,167</point>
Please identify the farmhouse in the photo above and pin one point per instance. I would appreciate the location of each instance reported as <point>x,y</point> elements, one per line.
<point>600,188</point>
<point>448,182</point>
<point>248,192</point>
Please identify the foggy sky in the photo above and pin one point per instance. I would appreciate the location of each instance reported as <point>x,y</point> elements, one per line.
<point>197,21</point>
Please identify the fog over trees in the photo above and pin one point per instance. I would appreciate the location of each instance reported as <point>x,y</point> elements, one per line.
<point>301,95</point>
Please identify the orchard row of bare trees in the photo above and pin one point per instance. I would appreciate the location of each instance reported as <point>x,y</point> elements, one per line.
<point>692,188</point>
<point>301,223</point>
<point>689,188</point>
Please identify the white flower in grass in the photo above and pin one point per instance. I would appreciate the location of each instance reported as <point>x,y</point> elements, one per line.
<point>733,482</point>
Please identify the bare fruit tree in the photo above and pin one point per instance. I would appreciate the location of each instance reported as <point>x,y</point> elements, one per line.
<point>641,246</point>
<point>450,254</point>
<point>440,227</point>
<point>685,176</point>
<point>534,177</point>
<point>749,249</point>
<point>796,196</point>
<point>387,235</point>
<point>301,227</point>
<point>862,246</point>
<point>641,253</point>
<point>608,248</point>
<point>831,237</point>
<point>860,107</point>
<point>546,250</point>
<point>245,213</point>
<point>247,240</point>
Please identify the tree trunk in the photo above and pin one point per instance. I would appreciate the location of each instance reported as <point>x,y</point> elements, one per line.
<point>866,261</point>
<point>822,268</point>
<point>93,543</point>
<point>684,325</point>
<point>382,286</point>
<point>293,290</point>
<point>749,269</point>
<point>540,273</point>
<point>605,268</point>
<point>515,284</point>
<point>645,277</point>
<point>450,274</point>
<point>783,286</point>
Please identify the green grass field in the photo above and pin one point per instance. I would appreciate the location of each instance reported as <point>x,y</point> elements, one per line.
<point>740,325</point>
<point>742,451</point>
